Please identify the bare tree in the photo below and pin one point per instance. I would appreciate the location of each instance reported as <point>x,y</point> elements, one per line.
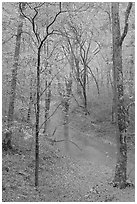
<point>40,43</point>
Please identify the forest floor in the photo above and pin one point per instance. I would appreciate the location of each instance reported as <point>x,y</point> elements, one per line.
<point>78,175</point>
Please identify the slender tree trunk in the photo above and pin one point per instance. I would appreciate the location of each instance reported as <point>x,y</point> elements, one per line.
<point>131,79</point>
<point>30,102</point>
<point>47,104</point>
<point>40,42</point>
<point>29,109</point>
<point>8,136</point>
<point>37,119</point>
<point>66,127</point>
<point>113,108</point>
<point>47,87</point>
<point>66,111</point>
<point>78,78</point>
<point>85,88</point>
<point>121,165</point>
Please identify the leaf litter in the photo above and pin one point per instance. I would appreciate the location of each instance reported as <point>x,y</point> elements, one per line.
<point>61,179</point>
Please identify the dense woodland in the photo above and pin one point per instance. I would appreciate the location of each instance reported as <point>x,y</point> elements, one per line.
<point>68,91</point>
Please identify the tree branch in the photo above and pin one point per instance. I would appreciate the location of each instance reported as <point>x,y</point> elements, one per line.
<point>6,41</point>
<point>64,141</point>
<point>126,22</point>
<point>47,29</point>
<point>50,115</point>
<point>94,78</point>
<point>129,105</point>
<point>24,15</point>
<point>50,82</point>
<point>34,27</point>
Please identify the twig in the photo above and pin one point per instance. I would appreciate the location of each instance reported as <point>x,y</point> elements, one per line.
<point>76,101</point>
<point>8,39</point>
<point>54,131</point>
<point>68,141</point>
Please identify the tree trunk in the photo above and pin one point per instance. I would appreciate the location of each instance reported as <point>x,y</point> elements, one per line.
<point>30,102</point>
<point>47,86</point>
<point>66,128</point>
<point>113,109</point>
<point>66,104</point>
<point>84,88</point>
<point>37,119</point>
<point>121,165</point>
<point>78,78</point>
<point>47,104</point>
<point>8,136</point>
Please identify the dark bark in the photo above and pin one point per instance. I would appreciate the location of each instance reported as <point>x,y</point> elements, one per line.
<point>66,128</point>
<point>66,110</point>
<point>85,87</point>
<point>40,45</point>
<point>29,110</point>
<point>120,178</point>
<point>78,77</point>
<point>38,89</point>
<point>8,135</point>
<point>30,103</point>
<point>47,104</point>
<point>47,86</point>
<point>37,118</point>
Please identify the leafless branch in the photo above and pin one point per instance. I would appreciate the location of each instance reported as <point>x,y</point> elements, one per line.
<point>126,22</point>
<point>94,78</point>
<point>129,105</point>
<point>54,18</point>
<point>54,131</point>
<point>34,25</point>
<point>68,141</point>
<point>6,41</point>
<point>50,82</point>
<point>23,14</point>
<point>87,52</point>
<point>76,101</point>
<point>40,5</point>
<point>50,115</point>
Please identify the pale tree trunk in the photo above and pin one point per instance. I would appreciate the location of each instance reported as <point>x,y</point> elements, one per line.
<point>120,178</point>
<point>7,141</point>
<point>113,99</point>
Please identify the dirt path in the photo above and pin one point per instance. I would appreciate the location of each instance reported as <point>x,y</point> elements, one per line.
<point>82,176</point>
<point>93,149</point>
